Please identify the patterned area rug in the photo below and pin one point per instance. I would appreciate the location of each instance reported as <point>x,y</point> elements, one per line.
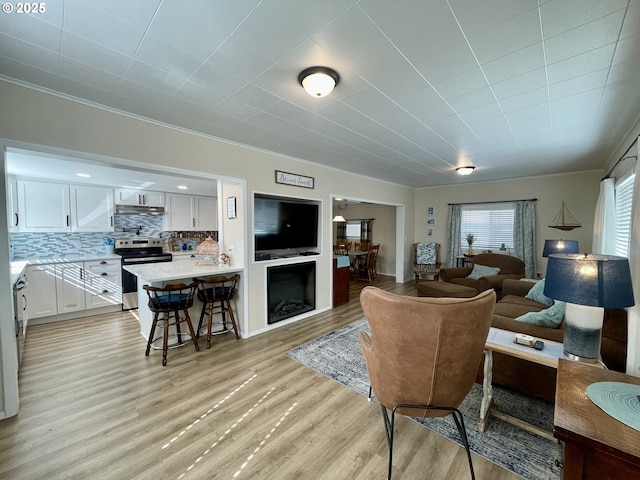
<point>338,356</point>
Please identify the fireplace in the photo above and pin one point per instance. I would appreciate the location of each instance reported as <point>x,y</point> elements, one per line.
<point>291,290</point>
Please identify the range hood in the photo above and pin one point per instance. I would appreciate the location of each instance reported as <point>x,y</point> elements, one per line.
<point>139,210</point>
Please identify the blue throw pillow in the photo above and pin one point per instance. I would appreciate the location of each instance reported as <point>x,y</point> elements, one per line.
<point>483,271</point>
<point>549,317</point>
<point>537,294</point>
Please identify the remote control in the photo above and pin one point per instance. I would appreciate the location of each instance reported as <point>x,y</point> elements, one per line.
<point>538,345</point>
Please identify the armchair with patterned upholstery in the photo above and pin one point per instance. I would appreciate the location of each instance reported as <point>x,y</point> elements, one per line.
<point>487,270</point>
<point>426,260</point>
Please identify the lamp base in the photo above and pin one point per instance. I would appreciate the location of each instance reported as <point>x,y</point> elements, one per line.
<point>582,333</point>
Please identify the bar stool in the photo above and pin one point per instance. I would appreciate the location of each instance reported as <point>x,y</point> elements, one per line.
<point>167,303</point>
<point>216,294</point>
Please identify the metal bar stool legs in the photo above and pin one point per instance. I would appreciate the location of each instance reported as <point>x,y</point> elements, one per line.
<point>216,294</point>
<point>167,304</point>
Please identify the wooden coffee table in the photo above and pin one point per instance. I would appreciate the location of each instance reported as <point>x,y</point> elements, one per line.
<point>502,341</point>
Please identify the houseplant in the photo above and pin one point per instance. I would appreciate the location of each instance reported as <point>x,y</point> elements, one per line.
<point>470,239</point>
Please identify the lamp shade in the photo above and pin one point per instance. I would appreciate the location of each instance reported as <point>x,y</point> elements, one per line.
<point>560,246</point>
<point>592,280</point>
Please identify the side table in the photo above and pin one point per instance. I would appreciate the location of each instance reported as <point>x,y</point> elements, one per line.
<point>596,445</point>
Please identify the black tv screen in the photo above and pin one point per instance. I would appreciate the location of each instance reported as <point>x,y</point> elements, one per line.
<point>282,224</point>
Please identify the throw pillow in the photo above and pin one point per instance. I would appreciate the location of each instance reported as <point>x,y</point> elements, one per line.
<point>483,271</point>
<point>549,317</point>
<point>537,294</point>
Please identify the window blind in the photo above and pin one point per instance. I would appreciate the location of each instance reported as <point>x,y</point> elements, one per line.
<point>624,200</point>
<point>490,224</point>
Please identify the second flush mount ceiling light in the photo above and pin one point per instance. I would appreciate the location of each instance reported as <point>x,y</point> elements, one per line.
<point>318,81</point>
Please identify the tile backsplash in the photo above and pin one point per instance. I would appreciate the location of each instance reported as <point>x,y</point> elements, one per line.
<point>33,245</point>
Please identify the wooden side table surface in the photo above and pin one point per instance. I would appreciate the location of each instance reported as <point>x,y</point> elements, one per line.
<point>596,445</point>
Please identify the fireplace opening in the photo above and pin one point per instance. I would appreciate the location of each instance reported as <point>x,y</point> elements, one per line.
<point>291,290</point>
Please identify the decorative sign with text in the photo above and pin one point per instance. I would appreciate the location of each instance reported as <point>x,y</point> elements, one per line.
<point>294,179</point>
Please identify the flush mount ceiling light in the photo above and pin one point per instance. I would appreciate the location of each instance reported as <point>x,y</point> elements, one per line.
<point>318,81</point>
<point>465,170</point>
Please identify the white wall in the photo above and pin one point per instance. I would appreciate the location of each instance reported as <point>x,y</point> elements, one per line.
<point>40,119</point>
<point>579,191</point>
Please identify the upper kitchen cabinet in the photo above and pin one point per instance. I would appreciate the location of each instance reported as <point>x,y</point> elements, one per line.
<point>44,207</point>
<point>13,217</point>
<point>131,196</point>
<point>56,207</point>
<point>190,213</point>
<point>92,209</point>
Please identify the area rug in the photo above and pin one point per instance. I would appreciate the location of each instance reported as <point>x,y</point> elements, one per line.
<point>338,356</point>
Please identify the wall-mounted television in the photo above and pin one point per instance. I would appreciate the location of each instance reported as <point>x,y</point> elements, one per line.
<point>283,223</point>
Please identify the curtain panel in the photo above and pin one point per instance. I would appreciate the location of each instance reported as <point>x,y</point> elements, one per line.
<point>524,235</point>
<point>605,219</point>
<point>453,243</point>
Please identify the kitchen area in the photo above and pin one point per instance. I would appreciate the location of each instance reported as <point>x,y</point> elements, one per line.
<point>77,231</point>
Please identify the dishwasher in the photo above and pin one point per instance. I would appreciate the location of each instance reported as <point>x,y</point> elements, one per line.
<point>20,313</point>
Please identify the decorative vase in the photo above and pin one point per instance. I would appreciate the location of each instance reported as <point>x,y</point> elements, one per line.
<point>470,250</point>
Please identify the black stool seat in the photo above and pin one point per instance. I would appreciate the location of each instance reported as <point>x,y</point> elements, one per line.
<point>216,294</point>
<point>167,303</point>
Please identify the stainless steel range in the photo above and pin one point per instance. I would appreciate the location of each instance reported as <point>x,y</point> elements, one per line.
<point>135,252</point>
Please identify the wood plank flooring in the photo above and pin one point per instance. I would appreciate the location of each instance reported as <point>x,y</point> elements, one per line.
<point>92,406</point>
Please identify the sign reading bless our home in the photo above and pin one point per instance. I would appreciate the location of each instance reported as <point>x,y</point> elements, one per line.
<point>294,179</point>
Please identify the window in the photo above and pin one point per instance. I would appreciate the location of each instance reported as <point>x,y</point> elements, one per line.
<point>490,224</point>
<point>624,198</point>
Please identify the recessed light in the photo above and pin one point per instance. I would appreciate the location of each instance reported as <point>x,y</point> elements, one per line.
<point>83,175</point>
<point>182,187</point>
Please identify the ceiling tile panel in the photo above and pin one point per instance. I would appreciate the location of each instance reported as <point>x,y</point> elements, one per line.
<point>559,16</point>
<point>596,34</point>
<point>217,79</point>
<point>477,17</point>
<point>405,14</point>
<point>194,93</point>
<point>91,53</point>
<point>29,74</point>
<point>138,14</point>
<point>526,99</point>
<point>521,84</point>
<point>30,29</point>
<point>88,22</point>
<point>161,54</point>
<point>87,92</point>
<point>239,60</point>
<point>521,31</point>
<point>515,64</point>
<point>578,84</point>
<point>582,64</point>
<point>88,75</point>
<point>154,78</point>
<point>29,53</point>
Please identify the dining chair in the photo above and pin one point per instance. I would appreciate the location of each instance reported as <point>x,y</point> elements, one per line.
<point>342,248</point>
<point>367,264</point>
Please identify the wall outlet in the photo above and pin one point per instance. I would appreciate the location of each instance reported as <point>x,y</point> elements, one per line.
<point>232,249</point>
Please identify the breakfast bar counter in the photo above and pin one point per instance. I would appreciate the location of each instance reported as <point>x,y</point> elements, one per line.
<point>164,273</point>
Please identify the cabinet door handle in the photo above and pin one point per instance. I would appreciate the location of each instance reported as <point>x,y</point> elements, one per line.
<point>81,274</point>
<point>103,262</point>
<point>193,222</point>
<point>17,218</point>
<point>105,291</point>
<point>112,220</point>
<point>104,274</point>
<point>140,202</point>
<point>144,200</point>
<point>68,220</point>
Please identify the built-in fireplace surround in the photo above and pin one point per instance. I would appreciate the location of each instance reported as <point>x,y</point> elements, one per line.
<point>291,290</point>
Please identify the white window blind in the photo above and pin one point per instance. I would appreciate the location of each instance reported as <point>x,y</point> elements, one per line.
<point>491,224</point>
<point>624,199</point>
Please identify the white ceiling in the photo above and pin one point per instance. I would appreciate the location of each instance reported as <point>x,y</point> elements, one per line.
<point>514,87</point>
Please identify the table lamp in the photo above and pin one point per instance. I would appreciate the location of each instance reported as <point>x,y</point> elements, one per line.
<point>559,246</point>
<point>589,284</point>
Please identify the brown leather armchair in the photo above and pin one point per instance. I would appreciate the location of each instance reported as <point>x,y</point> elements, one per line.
<point>510,267</point>
<point>423,354</point>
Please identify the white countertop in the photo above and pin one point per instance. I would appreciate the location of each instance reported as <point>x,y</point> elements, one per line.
<point>160,272</point>
<point>67,258</point>
<point>16,269</point>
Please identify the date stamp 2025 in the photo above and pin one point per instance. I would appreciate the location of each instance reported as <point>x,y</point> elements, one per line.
<point>24,7</point>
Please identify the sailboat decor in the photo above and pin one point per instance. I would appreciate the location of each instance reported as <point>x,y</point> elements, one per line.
<point>564,220</point>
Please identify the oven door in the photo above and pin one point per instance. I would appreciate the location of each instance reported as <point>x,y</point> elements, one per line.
<point>130,281</point>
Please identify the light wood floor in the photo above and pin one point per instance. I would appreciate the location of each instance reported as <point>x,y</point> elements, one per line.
<point>92,406</point>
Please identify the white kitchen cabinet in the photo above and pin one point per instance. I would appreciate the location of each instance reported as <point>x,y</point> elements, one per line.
<point>41,292</point>
<point>13,217</point>
<point>57,207</point>
<point>43,207</point>
<point>206,209</point>
<point>92,209</point>
<point>180,212</point>
<point>190,213</point>
<point>70,291</point>
<point>132,196</point>
<point>102,283</point>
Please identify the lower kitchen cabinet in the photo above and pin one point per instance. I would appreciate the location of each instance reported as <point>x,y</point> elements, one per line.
<point>41,294</point>
<point>70,287</point>
<point>65,288</point>
<point>103,283</point>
